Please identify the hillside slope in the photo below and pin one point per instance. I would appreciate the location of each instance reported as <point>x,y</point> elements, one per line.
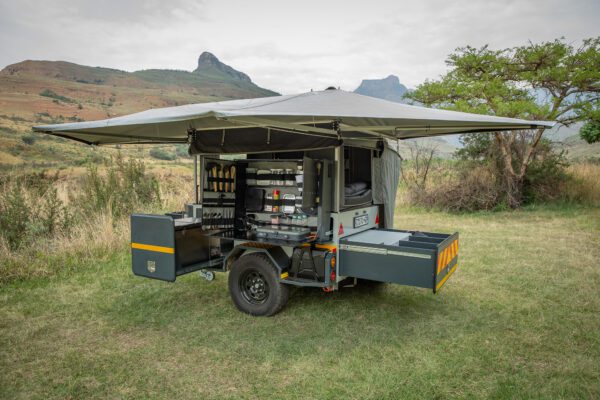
<point>33,92</point>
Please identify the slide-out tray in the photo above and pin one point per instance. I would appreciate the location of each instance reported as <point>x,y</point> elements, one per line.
<point>411,258</point>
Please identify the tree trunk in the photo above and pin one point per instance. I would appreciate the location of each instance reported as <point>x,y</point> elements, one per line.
<point>513,183</point>
<point>514,191</point>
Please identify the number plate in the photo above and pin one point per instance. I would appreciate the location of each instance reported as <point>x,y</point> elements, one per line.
<point>361,220</point>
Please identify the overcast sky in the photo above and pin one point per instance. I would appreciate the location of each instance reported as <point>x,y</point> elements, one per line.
<point>286,46</point>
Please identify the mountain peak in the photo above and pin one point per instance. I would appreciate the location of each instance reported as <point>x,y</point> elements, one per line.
<point>392,78</point>
<point>209,64</point>
<point>388,88</point>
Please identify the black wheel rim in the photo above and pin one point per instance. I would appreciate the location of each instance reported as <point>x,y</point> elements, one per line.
<point>254,287</point>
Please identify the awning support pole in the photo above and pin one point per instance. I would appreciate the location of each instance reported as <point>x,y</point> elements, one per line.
<point>195,179</point>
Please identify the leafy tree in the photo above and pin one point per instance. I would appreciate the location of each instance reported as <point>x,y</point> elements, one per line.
<point>590,131</point>
<point>548,81</point>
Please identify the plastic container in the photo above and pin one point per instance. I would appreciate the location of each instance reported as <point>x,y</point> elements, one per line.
<point>251,176</point>
<point>263,177</point>
<point>278,177</point>
<point>290,179</point>
<point>269,202</point>
<point>289,203</point>
<point>299,179</point>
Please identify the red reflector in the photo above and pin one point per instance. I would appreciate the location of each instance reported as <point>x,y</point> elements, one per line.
<point>377,219</point>
<point>333,276</point>
<point>341,230</point>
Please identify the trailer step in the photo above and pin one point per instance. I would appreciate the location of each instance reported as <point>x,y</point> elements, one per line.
<point>302,282</point>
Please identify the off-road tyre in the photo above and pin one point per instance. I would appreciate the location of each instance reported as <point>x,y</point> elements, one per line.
<point>254,286</point>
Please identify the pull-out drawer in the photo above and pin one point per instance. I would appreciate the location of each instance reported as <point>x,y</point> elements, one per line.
<point>163,248</point>
<point>411,258</point>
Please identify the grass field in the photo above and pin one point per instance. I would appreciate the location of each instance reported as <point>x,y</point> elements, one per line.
<point>519,319</point>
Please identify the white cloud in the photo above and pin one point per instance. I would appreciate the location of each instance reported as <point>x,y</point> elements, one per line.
<point>283,45</point>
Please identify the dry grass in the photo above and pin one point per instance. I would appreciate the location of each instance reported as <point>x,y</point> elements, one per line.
<point>585,186</point>
<point>92,236</point>
<point>9,159</point>
<point>448,189</point>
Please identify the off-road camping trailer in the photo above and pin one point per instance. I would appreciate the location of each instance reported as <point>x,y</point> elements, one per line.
<point>309,201</point>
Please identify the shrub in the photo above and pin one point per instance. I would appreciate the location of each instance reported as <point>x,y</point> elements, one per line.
<point>14,215</point>
<point>125,187</point>
<point>546,176</point>
<point>474,183</point>
<point>30,208</point>
<point>162,154</point>
<point>29,139</point>
<point>471,188</point>
<point>182,151</point>
<point>590,132</point>
<point>34,218</point>
<point>477,180</point>
<point>51,94</point>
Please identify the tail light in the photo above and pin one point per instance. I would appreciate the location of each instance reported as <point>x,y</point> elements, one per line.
<point>332,276</point>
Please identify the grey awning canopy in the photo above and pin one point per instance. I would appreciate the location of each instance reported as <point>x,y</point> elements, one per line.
<point>307,120</point>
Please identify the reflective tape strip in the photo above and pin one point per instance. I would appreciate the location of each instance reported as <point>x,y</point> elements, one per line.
<point>447,255</point>
<point>383,252</point>
<point>439,285</point>
<point>150,247</point>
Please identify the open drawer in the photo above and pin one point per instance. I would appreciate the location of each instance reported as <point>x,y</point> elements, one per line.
<point>411,258</point>
<point>164,248</point>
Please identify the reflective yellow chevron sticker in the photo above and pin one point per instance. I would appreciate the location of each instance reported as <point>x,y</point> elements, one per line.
<point>439,285</point>
<point>447,255</point>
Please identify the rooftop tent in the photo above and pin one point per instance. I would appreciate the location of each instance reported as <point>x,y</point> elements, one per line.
<point>304,121</point>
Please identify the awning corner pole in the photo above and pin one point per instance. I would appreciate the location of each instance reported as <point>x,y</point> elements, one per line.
<point>200,186</point>
<point>195,179</point>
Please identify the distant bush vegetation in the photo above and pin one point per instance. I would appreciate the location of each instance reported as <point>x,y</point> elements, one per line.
<point>125,186</point>
<point>162,154</point>
<point>182,151</point>
<point>50,222</point>
<point>46,118</point>
<point>29,139</point>
<point>31,207</point>
<point>56,96</point>
<point>468,184</point>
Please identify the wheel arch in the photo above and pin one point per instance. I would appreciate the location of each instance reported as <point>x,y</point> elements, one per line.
<point>275,253</point>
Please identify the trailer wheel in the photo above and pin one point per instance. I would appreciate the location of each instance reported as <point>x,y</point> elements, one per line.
<point>254,286</point>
